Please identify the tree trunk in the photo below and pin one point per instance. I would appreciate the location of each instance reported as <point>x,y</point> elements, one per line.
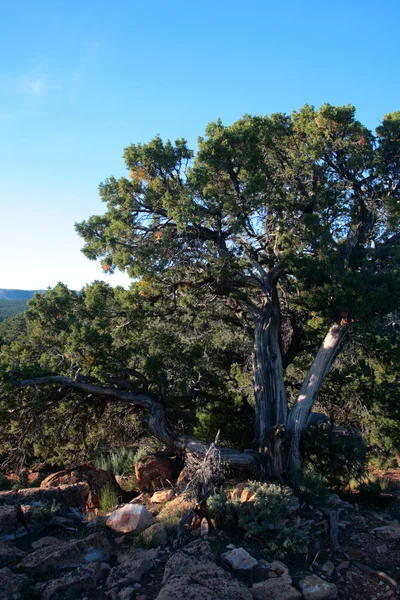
<point>269,389</point>
<point>300,412</point>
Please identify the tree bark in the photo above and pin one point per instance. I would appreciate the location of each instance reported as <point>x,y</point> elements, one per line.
<point>157,420</point>
<point>269,388</point>
<point>300,412</point>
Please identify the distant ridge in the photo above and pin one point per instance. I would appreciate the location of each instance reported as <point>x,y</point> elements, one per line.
<point>17,294</point>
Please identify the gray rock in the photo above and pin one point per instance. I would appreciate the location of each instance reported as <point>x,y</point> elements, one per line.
<point>193,570</point>
<point>239,559</point>
<point>12,586</point>
<point>130,518</point>
<point>328,568</point>
<point>315,588</point>
<point>47,541</point>
<point>68,555</point>
<point>131,568</point>
<point>275,589</point>
<point>10,525</point>
<point>83,579</point>
<point>10,554</point>
<point>155,535</point>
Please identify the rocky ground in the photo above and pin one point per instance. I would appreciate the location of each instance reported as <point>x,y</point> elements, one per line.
<point>50,550</point>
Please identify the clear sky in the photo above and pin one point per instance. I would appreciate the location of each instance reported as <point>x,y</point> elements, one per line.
<point>80,80</point>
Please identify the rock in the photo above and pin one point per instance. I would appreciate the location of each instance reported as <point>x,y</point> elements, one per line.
<point>328,568</point>
<point>10,524</point>
<point>156,471</point>
<point>280,569</point>
<point>128,593</point>
<point>336,502</point>
<point>155,535</point>
<point>239,559</point>
<point>12,587</point>
<point>390,531</point>
<point>93,479</point>
<point>315,588</point>
<point>68,555</point>
<point>130,518</point>
<point>162,496</point>
<point>10,554</point>
<point>353,553</point>
<point>204,527</point>
<point>66,495</point>
<point>83,579</point>
<point>47,541</point>
<point>131,567</point>
<point>193,570</point>
<point>275,589</point>
<point>382,549</point>
<point>246,495</point>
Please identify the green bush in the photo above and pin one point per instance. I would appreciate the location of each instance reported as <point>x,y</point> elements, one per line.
<point>109,499</point>
<point>120,461</point>
<point>258,517</point>
<point>310,488</point>
<point>288,542</point>
<point>337,458</point>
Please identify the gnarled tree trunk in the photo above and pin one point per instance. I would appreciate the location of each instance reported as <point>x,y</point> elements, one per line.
<point>300,412</point>
<point>269,388</point>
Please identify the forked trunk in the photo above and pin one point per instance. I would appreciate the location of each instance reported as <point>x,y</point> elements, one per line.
<point>300,412</point>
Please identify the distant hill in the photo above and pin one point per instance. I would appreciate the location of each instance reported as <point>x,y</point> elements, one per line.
<point>17,294</point>
<point>13,302</point>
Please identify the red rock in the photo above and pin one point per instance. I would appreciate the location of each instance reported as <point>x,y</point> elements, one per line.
<point>155,471</point>
<point>94,479</point>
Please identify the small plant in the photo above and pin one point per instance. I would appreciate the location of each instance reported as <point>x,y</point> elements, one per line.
<point>45,511</point>
<point>120,461</point>
<point>109,499</point>
<point>310,488</point>
<point>287,542</point>
<point>223,509</point>
<point>270,503</point>
<point>374,491</point>
<point>23,481</point>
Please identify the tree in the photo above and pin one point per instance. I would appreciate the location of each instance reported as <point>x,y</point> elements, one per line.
<point>286,226</point>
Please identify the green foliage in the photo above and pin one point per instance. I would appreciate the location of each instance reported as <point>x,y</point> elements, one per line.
<point>23,481</point>
<point>374,491</point>
<point>45,511</point>
<point>120,461</point>
<point>338,457</point>
<point>310,488</point>
<point>288,542</point>
<point>10,308</point>
<point>258,517</point>
<point>109,499</point>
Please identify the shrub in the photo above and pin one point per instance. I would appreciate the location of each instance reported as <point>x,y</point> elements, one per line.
<point>310,488</point>
<point>23,481</point>
<point>258,517</point>
<point>109,499</point>
<point>288,542</point>
<point>337,458</point>
<point>173,512</point>
<point>120,461</point>
<point>373,491</point>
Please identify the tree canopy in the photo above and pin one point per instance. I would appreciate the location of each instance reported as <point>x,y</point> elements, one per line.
<point>279,240</point>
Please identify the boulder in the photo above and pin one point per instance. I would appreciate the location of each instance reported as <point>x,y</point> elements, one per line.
<point>390,531</point>
<point>162,496</point>
<point>68,555</point>
<point>130,518</point>
<point>66,495</point>
<point>193,570</point>
<point>155,535</point>
<point>93,479</point>
<point>10,554</point>
<point>48,540</point>
<point>275,589</point>
<point>280,569</point>
<point>10,523</point>
<point>83,579</point>
<point>130,568</point>
<point>239,559</point>
<point>315,588</point>
<point>12,586</point>
<point>155,471</point>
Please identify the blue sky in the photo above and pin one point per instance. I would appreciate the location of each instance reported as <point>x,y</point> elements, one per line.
<point>80,80</point>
